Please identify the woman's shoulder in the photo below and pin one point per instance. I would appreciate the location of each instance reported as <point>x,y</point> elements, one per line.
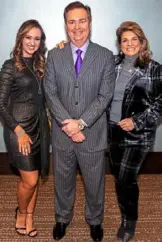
<point>154,63</point>
<point>153,69</point>
<point>8,65</point>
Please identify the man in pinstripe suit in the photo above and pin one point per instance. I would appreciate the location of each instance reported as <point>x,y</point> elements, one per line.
<point>79,87</point>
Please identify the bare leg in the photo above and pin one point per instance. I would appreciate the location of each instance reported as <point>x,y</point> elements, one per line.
<point>30,210</point>
<point>26,194</point>
<point>32,203</point>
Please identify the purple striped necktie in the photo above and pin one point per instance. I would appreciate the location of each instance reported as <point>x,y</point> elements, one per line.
<point>79,61</point>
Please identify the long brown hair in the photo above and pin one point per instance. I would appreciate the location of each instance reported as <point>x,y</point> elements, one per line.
<point>145,53</point>
<point>39,55</point>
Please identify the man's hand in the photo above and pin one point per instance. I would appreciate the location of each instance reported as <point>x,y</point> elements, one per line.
<point>79,137</point>
<point>126,124</point>
<point>70,127</point>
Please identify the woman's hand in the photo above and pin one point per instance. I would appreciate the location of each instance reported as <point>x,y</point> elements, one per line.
<point>24,141</point>
<point>126,124</point>
<point>61,44</point>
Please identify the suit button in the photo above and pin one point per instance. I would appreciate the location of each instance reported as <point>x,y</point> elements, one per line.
<point>76,103</point>
<point>76,86</point>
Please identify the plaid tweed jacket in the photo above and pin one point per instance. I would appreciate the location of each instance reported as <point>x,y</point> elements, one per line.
<point>143,103</point>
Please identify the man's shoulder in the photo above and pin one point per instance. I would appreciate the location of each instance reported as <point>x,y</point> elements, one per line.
<point>57,50</point>
<point>102,49</point>
<point>53,50</point>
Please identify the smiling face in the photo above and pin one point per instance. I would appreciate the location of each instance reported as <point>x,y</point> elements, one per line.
<point>130,43</point>
<point>78,26</point>
<point>31,42</point>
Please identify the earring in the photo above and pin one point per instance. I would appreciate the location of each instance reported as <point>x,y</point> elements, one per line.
<point>121,52</point>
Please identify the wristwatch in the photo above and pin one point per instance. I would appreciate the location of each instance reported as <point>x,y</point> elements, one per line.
<point>81,124</point>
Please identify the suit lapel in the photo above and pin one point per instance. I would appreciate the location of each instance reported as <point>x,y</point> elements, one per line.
<point>68,59</point>
<point>89,57</point>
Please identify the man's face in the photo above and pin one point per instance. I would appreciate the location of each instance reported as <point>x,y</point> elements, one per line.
<point>78,26</point>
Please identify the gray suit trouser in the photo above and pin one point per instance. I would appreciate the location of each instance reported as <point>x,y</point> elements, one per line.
<point>92,166</point>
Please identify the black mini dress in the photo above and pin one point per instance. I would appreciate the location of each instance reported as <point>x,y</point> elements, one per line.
<point>22,102</point>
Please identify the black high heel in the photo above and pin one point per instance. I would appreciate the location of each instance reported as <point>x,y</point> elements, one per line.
<point>18,229</point>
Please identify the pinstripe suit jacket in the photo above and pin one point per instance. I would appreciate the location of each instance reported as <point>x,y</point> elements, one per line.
<point>85,97</point>
<point>143,103</point>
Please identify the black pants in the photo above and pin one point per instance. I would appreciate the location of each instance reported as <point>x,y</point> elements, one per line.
<point>125,163</point>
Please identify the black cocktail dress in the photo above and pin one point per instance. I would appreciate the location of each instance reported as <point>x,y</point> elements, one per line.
<point>21,103</point>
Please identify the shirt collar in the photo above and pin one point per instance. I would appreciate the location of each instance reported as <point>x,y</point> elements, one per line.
<point>83,48</point>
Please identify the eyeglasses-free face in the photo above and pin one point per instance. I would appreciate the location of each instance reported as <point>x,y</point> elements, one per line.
<point>78,26</point>
<point>130,43</point>
<point>31,42</point>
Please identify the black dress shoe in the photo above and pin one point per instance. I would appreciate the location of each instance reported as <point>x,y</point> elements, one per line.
<point>121,230</point>
<point>127,237</point>
<point>96,233</point>
<point>127,230</point>
<point>59,230</point>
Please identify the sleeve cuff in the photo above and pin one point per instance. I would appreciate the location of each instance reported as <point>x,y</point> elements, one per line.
<point>84,123</point>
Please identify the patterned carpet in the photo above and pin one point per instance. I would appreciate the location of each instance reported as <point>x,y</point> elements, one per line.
<point>149,227</point>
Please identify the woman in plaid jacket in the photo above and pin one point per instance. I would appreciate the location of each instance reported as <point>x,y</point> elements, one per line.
<point>134,112</point>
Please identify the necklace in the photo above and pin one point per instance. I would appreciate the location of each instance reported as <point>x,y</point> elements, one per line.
<point>39,83</point>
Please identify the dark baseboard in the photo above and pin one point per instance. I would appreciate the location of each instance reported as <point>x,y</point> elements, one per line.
<point>151,165</point>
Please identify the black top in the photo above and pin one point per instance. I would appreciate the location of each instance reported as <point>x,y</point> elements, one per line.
<point>17,87</point>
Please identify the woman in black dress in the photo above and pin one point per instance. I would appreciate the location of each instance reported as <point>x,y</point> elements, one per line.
<point>22,110</point>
